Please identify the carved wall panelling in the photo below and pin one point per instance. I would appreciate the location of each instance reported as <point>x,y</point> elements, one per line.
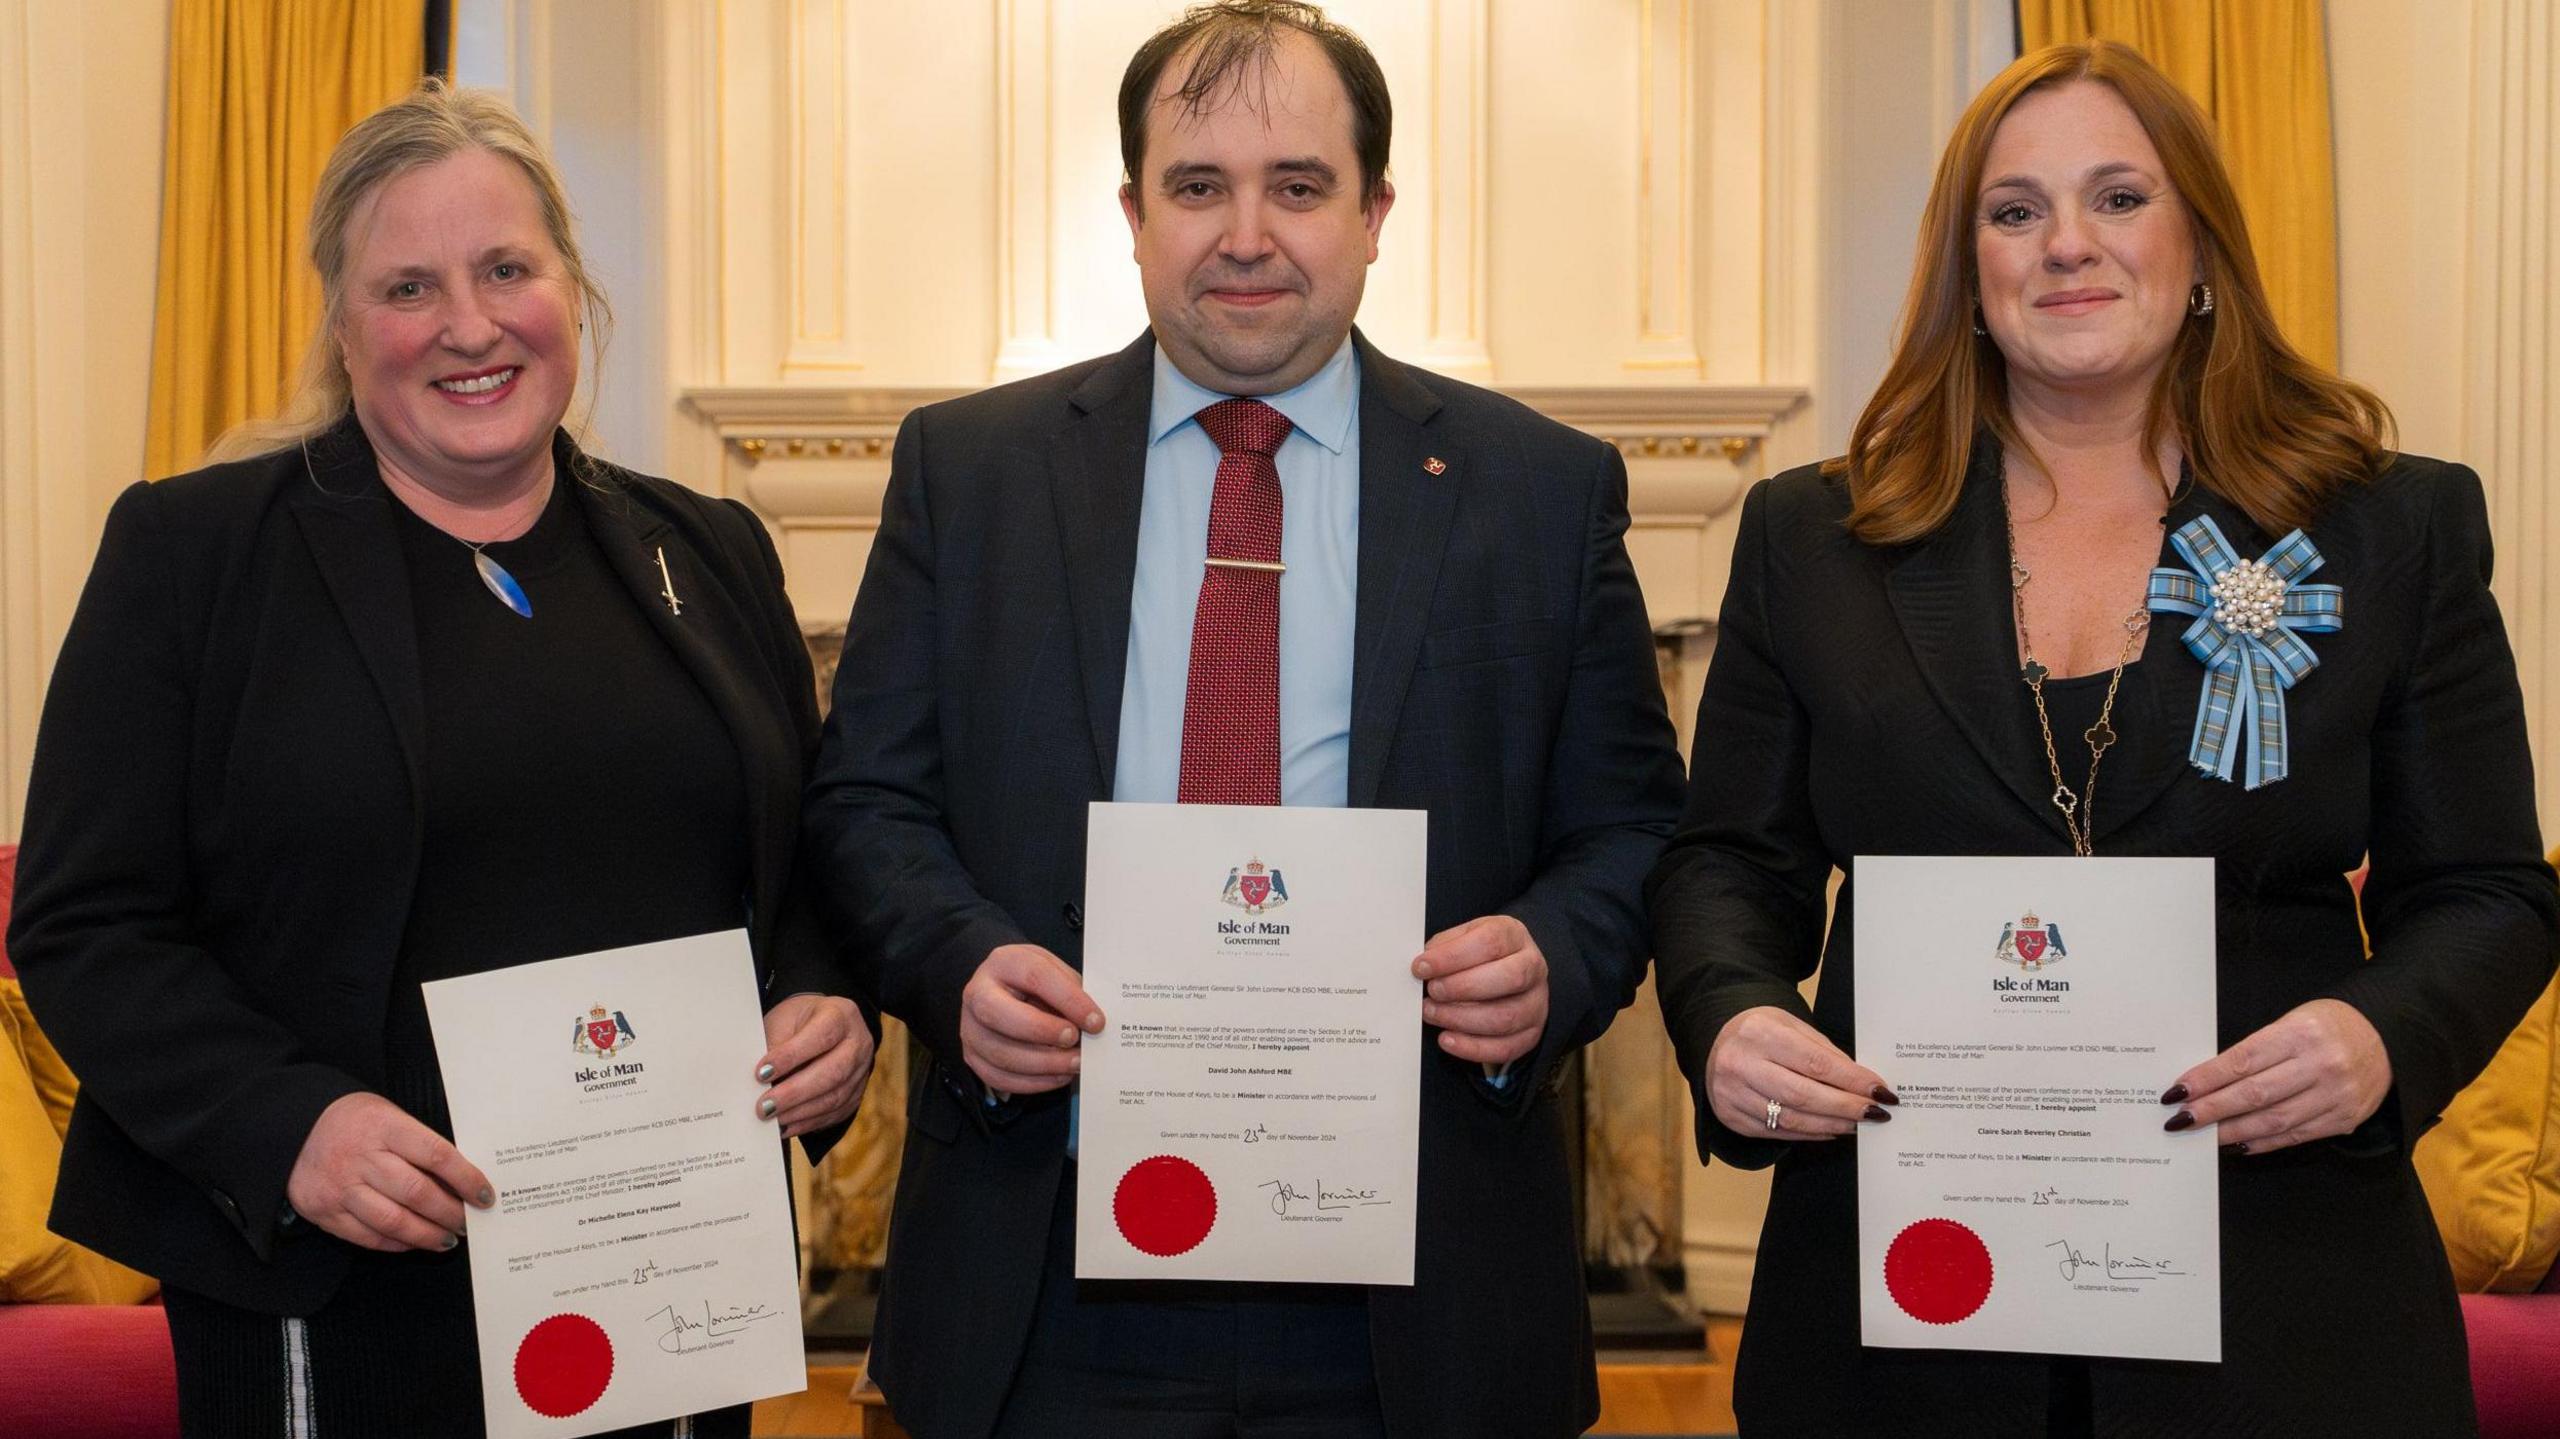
<point>814,462</point>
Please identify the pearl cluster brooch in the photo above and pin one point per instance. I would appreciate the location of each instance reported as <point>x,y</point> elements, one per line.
<point>2248,598</point>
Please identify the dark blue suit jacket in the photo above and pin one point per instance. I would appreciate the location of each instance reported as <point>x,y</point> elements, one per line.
<point>1503,681</point>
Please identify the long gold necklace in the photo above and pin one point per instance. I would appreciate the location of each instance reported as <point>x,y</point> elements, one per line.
<point>2079,811</point>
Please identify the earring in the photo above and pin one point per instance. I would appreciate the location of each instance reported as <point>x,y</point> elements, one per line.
<point>2200,301</point>
<point>1977,319</point>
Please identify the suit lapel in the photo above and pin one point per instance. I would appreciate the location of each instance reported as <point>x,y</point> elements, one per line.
<point>1098,476</point>
<point>1950,594</point>
<point>346,520</point>
<point>1405,513</point>
<point>714,638</point>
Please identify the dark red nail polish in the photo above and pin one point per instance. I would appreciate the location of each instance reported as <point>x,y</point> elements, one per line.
<point>1884,1095</point>
<point>1877,1113</point>
<point>2241,1148</point>
<point>2183,1119</point>
<point>2177,1094</point>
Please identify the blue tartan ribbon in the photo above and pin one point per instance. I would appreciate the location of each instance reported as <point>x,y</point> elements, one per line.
<point>2246,674</point>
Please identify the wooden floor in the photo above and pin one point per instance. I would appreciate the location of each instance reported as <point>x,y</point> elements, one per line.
<point>1653,1397</point>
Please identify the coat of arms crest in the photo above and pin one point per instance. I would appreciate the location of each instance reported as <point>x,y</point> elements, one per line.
<point>2030,943</point>
<point>602,1033</point>
<point>1254,887</point>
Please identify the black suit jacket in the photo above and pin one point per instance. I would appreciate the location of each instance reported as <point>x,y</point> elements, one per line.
<point>1866,701</point>
<point>1502,680</point>
<point>222,831</point>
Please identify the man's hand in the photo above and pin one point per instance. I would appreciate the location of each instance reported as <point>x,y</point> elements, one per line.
<point>373,1176</point>
<point>818,1061</point>
<point>1485,985</point>
<point>1022,1016</point>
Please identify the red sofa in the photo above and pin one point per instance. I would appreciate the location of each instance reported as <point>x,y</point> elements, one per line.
<point>80,1371</point>
<point>2515,1361</point>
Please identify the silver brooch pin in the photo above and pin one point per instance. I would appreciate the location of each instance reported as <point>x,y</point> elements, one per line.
<point>674,605</point>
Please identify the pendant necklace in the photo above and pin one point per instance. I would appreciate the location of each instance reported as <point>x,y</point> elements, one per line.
<point>2079,811</point>
<point>499,582</point>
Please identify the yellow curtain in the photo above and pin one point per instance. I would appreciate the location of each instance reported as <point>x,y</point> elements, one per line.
<point>2260,68</point>
<point>259,90</point>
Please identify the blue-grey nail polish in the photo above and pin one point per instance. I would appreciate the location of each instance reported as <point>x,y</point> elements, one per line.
<point>765,1108</point>
<point>765,1073</point>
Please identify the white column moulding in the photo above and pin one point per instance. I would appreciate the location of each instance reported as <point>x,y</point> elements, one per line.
<point>1666,191</point>
<point>1460,78</point>
<point>1026,204</point>
<point>2512,391</point>
<point>22,665</point>
<point>819,41</point>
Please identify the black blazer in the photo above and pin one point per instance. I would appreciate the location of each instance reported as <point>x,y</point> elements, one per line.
<point>222,833</point>
<point>1502,679</point>
<point>1865,701</point>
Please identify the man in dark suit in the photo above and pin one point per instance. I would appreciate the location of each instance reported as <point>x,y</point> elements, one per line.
<point>1077,594</point>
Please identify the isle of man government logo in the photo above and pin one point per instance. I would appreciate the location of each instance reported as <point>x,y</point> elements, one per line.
<point>2030,943</point>
<point>1254,888</point>
<point>603,1033</point>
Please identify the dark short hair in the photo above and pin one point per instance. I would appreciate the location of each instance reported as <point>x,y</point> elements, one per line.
<point>1224,37</point>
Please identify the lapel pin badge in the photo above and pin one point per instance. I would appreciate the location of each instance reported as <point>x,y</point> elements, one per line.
<point>1436,465</point>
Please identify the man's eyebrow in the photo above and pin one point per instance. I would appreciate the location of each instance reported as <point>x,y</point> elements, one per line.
<point>1182,172</point>
<point>1306,165</point>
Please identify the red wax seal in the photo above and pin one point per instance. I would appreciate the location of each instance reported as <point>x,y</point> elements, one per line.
<point>1938,1271</point>
<point>1164,1206</point>
<point>563,1365</point>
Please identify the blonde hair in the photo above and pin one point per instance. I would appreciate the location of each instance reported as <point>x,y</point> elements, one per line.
<point>2264,427</point>
<point>431,123</point>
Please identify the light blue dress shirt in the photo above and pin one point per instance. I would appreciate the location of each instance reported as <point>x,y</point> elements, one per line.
<point>1319,468</point>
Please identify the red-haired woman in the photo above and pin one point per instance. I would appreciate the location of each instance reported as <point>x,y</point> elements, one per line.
<point>1930,645</point>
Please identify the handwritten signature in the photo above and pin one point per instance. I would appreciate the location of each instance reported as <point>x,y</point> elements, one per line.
<point>2130,1266</point>
<point>1284,1194</point>
<point>684,1330</point>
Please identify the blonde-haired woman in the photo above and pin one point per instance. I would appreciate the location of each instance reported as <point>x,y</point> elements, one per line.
<point>410,687</point>
<point>1930,647</point>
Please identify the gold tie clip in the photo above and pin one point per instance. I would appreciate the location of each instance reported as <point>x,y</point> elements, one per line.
<point>1268,567</point>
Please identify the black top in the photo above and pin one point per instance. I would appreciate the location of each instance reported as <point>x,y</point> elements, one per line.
<point>2072,705</point>
<point>579,791</point>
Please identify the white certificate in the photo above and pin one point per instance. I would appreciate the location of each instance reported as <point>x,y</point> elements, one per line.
<point>640,1263</point>
<point>2028,1013</point>
<point>1251,1110</point>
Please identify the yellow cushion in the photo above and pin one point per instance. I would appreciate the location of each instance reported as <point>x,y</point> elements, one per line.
<point>2492,1168</point>
<point>35,1104</point>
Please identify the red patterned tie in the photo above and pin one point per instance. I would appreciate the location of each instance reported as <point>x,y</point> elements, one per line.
<point>1231,709</point>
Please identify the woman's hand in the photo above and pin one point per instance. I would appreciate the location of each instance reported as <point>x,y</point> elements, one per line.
<point>818,1059</point>
<point>2319,1071</point>
<point>373,1176</point>
<point>1767,1054</point>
